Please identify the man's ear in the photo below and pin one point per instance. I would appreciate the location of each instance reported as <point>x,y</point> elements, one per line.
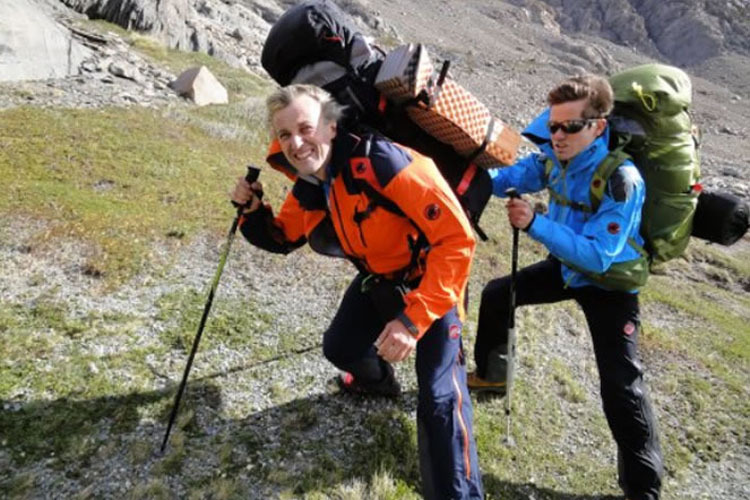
<point>601,124</point>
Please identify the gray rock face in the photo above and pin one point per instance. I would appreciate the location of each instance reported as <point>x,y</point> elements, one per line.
<point>230,31</point>
<point>684,32</point>
<point>33,46</point>
<point>167,19</point>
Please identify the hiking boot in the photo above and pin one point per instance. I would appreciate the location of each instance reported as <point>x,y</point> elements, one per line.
<point>477,384</point>
<point>388,387</point>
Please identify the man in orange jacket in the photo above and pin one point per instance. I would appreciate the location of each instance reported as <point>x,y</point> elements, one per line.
<point>390,212</point>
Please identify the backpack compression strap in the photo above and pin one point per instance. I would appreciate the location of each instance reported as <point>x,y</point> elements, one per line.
<point>598,184</point>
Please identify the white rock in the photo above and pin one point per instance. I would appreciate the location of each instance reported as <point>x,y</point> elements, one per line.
<point>200,85</point>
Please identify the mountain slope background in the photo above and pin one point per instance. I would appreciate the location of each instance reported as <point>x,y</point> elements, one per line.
<point>114,212</point>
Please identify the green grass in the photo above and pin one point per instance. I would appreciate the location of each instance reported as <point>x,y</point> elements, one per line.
<point>712,392</point>
<point>233,323</point>
<point>125,184</point>
<point>118,180</point>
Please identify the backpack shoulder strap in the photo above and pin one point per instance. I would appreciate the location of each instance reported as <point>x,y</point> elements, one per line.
<point>618,141</point>
<point>360,177</point>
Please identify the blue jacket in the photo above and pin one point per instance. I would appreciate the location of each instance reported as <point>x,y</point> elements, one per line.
<point>591,242</point>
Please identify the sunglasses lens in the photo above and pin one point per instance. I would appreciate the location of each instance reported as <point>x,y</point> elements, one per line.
<point>574,127</point>
<point>569,127</point>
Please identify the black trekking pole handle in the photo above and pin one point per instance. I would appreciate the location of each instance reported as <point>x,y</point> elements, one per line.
<point>510,361</point>
<point>252,176</point>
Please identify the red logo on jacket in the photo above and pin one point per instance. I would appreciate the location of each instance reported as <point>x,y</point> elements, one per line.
<point>454,331</point>
<point>613,228</point>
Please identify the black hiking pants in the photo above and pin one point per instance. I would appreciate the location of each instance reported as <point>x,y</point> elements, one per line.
<point>614,323</point>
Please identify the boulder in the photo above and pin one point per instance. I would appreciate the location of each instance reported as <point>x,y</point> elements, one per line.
<point>200,85</point>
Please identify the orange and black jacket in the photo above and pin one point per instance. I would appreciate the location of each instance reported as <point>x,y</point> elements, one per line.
<point>379,199</point>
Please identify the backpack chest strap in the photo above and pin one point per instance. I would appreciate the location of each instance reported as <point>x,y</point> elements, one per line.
<point>598,184</point>
<point>566,202</point>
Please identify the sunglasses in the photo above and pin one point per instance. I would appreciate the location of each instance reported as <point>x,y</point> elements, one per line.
<point>570,126</point>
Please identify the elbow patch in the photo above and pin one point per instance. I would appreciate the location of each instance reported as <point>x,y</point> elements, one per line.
<point>622,182</point>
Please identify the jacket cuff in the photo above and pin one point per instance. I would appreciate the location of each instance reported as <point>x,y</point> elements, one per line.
<point>533,218</point>
<point>409,324</point>
<point>537,226</point>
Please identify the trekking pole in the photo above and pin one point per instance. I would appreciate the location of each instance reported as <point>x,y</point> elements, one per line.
<point>252,176</point>
<point>511,357</point>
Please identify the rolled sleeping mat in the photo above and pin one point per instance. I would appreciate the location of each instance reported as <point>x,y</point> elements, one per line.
<point>720,218</point>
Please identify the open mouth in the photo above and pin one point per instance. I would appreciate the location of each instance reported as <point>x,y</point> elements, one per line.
<point>304,155</point>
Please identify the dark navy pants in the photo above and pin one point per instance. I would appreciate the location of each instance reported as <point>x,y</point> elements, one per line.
<point>447,451</point>
<point>614,322</point>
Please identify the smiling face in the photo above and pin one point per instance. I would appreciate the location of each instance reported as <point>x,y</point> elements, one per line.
<point>304,135</point>
<point>568,145</point>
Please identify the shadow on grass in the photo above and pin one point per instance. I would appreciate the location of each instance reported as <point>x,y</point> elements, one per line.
<point>499,489</point>
<point>66,427</point>
<point>306,445</point>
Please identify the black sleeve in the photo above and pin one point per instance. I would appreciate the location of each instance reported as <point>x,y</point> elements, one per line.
<point>258,228</point>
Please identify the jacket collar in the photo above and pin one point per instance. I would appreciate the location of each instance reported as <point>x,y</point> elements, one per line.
<point>344,145</point>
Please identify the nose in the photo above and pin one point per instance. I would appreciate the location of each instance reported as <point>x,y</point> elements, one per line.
<point>295,141</point>
<point>558,134</point>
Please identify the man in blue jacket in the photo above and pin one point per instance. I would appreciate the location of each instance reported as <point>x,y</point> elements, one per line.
<point>584,242</point>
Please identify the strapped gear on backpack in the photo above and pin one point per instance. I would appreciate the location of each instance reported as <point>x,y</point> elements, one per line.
<point>314,42</point>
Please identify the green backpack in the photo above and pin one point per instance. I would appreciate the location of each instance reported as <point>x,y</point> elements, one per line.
<point>657,97</point>
<point>651,125</point>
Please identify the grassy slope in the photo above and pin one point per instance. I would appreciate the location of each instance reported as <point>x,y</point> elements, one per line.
<point>125,181</point>
<point>696,347</point>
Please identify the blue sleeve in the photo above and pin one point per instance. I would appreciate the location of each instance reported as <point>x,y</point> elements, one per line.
<point>526,175</point>
<point>601,238</point>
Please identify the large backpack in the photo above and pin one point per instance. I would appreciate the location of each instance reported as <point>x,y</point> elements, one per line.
<point>315,42</point>
<point>652,119</point>
<point>651,125</point>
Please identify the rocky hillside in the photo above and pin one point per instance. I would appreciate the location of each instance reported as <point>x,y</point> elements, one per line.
<point>684,33</point>
<point>505,52</point>
<point>105,259</point>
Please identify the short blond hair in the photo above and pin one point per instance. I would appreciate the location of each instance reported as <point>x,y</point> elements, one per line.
<point>331,110</point>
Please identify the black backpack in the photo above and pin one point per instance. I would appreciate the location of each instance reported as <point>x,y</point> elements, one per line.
<point>315,42</point>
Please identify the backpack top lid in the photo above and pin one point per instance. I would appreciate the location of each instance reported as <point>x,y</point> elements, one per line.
<point>314,30</point>
<point>653,88</point>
